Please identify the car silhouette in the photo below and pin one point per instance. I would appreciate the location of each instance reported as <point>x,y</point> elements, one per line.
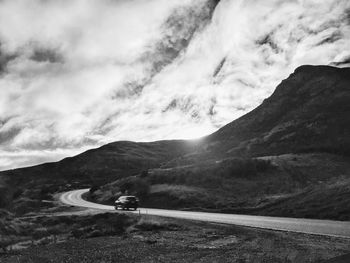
<point>127,202</point>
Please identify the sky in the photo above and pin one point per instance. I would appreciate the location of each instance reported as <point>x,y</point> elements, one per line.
<point>78,74</point>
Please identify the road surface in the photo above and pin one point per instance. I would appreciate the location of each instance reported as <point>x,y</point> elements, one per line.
<point>309,226</point>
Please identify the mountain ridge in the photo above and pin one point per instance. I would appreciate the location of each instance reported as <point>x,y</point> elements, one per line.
<point>225,133</point>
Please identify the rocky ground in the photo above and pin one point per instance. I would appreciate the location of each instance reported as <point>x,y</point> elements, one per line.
<point>154,239</point>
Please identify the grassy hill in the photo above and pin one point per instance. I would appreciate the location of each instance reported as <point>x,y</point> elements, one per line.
<point>313,185</point>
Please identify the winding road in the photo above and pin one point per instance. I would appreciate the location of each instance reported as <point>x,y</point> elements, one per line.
<point>301,225</point>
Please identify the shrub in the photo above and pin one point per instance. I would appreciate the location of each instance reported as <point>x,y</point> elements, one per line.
<point>94,188</point>
<point>5,197</point>
<point>6,241</point>
<point>40,233</point>
<point>144,174</point>
<point>155,224</point>
<point>56,230</point>
<point>95,233</point>
<point>78,233</point>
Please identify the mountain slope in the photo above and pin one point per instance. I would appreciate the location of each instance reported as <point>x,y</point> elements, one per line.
<point>309,111</point>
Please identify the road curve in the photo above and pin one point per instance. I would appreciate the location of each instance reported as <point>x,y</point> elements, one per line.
<point>301,225</point>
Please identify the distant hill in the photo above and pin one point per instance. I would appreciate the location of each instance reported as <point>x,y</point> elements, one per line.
<point>306,117</point>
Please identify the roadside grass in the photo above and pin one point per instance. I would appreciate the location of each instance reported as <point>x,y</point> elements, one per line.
<point>176,196</point>
<point>152,223</point>
<point>16,233</point>
<point>326,201</point>
<point>194,241</point>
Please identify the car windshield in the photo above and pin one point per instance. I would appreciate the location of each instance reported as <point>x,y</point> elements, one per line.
<point>128,198</point>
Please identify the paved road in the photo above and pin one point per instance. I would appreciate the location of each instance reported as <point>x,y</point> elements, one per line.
<point>310,226</point>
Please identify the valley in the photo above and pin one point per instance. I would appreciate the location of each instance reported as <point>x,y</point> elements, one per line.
<point>289,157</point>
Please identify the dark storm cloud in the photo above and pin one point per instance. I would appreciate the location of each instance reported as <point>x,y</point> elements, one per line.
<point>219,67</point>
<point>46,55</point>
<point>7,136</point>
<point>345,62</point>
<point>335,36</point>
<point>177,32</point>
<point>5,59</point>
<point>268,41</point>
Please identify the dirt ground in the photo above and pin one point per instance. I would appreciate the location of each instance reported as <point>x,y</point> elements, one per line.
<point>189,241</point>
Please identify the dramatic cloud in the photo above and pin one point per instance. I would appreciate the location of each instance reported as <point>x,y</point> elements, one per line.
<point>78,74</point>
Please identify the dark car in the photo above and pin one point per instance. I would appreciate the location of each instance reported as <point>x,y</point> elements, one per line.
<point>127,202</point>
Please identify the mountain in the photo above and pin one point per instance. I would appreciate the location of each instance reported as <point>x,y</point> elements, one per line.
<point>270,154</point>
<point>308,112</point>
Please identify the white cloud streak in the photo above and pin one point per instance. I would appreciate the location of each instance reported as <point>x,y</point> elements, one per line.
<point>78,74</point>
